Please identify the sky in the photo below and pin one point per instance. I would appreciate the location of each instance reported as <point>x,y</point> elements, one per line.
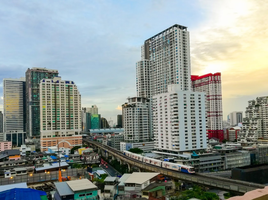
<point>97,43</point>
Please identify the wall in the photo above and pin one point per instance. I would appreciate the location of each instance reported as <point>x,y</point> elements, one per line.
<point>94,194</point>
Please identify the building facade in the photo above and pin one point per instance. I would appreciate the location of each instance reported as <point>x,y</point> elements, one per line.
<point>136,119</point>
<point>211,85</point>
<point>60,113</point>
<point>255,124</point>
<point>119,121</point>
<point>166,56</point>
<point>143,78</point>
<point>235,117</point>
<point>33,78</point>
<point>1,122</point>
<point>5,145</point>
<point>14,108</point>
<point>179,120</point>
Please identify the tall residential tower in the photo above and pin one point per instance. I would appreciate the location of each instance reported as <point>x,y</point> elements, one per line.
<point>33,78</point>
<point>60,113</point>
<point>211,85</point>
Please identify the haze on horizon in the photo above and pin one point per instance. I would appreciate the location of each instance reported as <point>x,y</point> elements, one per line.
<point>96,44</point>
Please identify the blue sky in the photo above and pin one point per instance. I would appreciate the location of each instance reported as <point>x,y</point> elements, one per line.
<point>97,43</point>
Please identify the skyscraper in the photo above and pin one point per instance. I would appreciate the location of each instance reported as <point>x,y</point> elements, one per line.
<point>235,118</point>
<point>1,122</point>
<point>14,110</point>
<point>60,116</point>
<point>33,78</point>
<point>164,72</point>
<point>211,85</point>
<point>166,56</point>
<point>119,121</point>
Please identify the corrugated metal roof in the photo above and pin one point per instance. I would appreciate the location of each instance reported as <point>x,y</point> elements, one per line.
<point>110,179</point>
<point>54,165</point>
<point>123,179</point>
<point>79,185</point>
<point>139,177</point>
<point>11,186</point>
<point>63,188</point>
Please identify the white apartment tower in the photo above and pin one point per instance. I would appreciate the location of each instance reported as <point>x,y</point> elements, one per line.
<point>179,120</point>
<point>143,78</point>
<point>60,116</point>
<point>136,119</point>
<point>255,124</point>
<point>169,55</point>
<point>211,85</point>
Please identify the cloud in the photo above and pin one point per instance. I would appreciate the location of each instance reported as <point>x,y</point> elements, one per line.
<point>119,107</point>
<point>233,40</point>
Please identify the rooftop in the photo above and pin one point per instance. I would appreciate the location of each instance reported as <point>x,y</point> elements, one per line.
<point>63,188</point>
<point>79,185</point>
<point>11,186</point>
<point>110,179</point>
<point>54,165</point>
<point>139,178</point>
<point>123,179</point>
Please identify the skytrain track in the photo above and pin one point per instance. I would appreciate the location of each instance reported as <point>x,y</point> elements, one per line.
<point>212,181</point>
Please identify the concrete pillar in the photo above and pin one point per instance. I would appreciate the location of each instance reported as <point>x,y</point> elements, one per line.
<point>129,167</point>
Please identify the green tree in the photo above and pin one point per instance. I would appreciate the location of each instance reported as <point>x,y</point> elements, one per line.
<point>136,150</point>
<point>224,141</point>
<point>74,149</point>
<point>198,193</point>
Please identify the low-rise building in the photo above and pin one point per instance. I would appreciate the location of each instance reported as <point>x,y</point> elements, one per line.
<point>232,133</point>
<point>145,146</point>
<point>5,145</point>
<point>110,187</point>
<point>76,190</point>
<point>136,182</point>
<point>121,186</point>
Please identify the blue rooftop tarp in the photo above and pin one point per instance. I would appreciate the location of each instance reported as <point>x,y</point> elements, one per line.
<point>22,194</point>
<point>66,156</point>
<point>53,157</point>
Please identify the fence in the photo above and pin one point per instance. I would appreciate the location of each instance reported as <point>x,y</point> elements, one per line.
<point>41,177</point>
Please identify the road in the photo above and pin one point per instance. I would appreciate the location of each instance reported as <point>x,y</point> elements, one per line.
<point>111,171</point>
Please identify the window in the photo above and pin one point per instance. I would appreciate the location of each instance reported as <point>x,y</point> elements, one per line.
<point>88,194</point>
<point>82,195</point>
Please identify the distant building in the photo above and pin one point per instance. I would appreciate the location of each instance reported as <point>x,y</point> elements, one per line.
<point>14,110</point>
<point>136,120</point>
<point>33,78</point>
<point>179,119</point>
<point>115,139</point>
<point>1,122</point>
<point>93,110</point>
<point>232,133</point>
<point>119,121</point>
<point>95,121</point>
<point>255,123</point>
<point>5,145</point>
<point>145,146</point>
<point>60,114</point>
<point>86,120</point>
<point>234,118</point>
<point>211,85</point>
<point>104,123</point>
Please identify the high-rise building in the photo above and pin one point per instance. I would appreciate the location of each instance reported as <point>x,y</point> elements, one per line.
<point>119,121</point>
<point>86,120</point>
<point>1,122</point>
<point>60,113</point>
<point>255,124</point>
<point>104,123</point>
<point>14,110</point>
<point>179,120</point>
<point>33,78</point>
<point>93,110</point>
<point>235,117</point>
<point>165,61</point>
<point>136,119</point>
<point>211,85</point>
<point>143,78</point>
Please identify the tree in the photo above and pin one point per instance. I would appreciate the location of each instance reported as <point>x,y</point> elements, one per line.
<point>74,149</point>
<point>136,150</point>
<point>224,141</point>
<point>198,193</point>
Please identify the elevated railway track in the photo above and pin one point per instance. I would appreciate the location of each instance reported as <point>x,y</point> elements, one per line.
<point>202,179</point>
